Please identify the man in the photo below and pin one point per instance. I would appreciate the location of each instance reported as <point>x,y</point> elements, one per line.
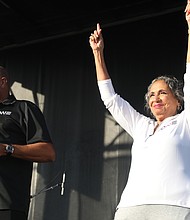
<point>24,139</point>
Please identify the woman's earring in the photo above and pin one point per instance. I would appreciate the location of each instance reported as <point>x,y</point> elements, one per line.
<point>179,107</point>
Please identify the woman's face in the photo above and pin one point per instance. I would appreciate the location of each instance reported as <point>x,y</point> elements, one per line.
<point>162,102</point>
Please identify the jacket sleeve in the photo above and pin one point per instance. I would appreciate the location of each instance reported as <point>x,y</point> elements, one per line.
<point>187,92</point>
<point>124,114</point>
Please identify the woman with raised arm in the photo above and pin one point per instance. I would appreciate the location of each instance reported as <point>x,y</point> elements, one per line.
<point>158,186</point>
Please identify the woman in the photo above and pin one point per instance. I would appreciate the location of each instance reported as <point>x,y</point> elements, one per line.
<point>158,185</point>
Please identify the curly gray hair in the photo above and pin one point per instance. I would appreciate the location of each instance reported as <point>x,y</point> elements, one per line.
<point>176,88</point>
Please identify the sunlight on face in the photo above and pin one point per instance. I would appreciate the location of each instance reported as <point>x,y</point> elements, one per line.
<point>162,102</point>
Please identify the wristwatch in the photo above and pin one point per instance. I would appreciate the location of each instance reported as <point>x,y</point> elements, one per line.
<point>9,150</point>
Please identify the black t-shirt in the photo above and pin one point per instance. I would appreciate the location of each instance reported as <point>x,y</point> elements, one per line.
<point>21,122</point>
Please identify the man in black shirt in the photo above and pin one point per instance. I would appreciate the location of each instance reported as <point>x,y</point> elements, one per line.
<point>24,139</point>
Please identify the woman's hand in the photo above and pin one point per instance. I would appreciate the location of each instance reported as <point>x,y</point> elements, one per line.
<point>96,39</point>
<point>187,12</point>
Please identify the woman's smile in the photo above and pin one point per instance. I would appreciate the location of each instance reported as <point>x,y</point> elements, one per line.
<point>162,102</point>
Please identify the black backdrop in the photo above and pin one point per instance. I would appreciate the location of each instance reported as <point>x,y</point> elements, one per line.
<point>92,149</point>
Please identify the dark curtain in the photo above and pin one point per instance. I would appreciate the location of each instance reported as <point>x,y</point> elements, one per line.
<point>92,150</point>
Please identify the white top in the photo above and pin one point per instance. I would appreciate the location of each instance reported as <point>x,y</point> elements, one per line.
<point>160,165</point>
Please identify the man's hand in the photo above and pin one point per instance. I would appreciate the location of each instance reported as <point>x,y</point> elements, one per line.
<point>2,149</point>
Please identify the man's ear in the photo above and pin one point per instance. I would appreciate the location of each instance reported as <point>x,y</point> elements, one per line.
<point>3,81</point>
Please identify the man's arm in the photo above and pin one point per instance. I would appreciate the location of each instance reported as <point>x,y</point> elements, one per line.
<point>36,152</point>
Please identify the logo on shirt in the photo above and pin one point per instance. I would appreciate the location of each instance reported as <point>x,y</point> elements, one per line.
<point>5,112</point>
<point>171,123</point>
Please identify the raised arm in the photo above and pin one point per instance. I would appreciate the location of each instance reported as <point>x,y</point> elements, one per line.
<point>187,15</point>
<point>186,88</point>
<point>97,44</point>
